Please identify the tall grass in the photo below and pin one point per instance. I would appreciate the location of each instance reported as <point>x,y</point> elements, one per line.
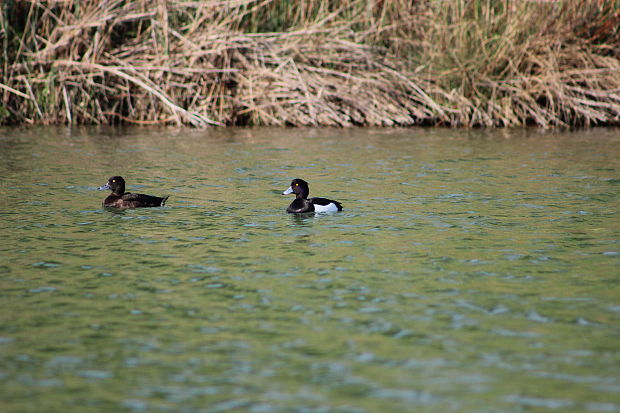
<point>333,63</point>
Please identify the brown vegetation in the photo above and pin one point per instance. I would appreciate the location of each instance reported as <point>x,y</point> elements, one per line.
<point>328,63</point>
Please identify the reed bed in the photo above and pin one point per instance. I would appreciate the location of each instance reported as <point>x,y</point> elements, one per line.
<point>458,63</point>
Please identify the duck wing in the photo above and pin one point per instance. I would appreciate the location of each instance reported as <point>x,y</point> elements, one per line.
<point>142,200</point>
<point>324,202</point>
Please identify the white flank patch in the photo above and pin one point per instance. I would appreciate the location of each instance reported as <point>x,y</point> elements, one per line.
<point>331,207</point>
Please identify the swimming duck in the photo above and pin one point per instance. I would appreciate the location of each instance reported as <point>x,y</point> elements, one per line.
<point>121,199</point>
<point>302,203</point>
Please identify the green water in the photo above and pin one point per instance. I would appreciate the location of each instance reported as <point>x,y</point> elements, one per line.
<point>470,271</point>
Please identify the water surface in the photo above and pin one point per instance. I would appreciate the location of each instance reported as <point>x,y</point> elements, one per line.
<point>470,271</point>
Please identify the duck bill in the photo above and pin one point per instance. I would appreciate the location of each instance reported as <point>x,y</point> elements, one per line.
<point>288,191</point>
<point>103,188</point>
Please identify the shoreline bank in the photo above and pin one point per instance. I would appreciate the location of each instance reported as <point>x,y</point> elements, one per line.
<point>323,63</point>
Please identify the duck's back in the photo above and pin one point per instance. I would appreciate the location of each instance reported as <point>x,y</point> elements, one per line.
<point>314,205</point>
<point>129,200</point>
<point>325,205</point>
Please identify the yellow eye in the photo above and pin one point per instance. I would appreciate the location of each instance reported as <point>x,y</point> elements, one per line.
<point>113,180</point>
<point>296,184</point>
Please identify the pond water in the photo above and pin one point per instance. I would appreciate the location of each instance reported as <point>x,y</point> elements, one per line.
<point>470,271</point>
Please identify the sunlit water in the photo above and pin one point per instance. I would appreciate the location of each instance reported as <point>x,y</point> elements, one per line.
<point>470,271</point>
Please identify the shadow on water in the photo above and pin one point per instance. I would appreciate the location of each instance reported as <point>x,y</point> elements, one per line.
<point>304,220</point>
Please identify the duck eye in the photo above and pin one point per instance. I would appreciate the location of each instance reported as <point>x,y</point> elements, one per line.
<point>113,181</point>
<point>296,184</point>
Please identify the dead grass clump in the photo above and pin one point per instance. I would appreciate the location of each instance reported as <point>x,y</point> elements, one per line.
<point>314,63</point>
<point>541,62</point>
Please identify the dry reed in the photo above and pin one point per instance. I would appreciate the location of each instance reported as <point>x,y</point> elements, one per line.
<point>312,63</point>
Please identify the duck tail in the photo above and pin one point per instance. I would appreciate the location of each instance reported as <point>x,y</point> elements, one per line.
<point>164,199</point>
